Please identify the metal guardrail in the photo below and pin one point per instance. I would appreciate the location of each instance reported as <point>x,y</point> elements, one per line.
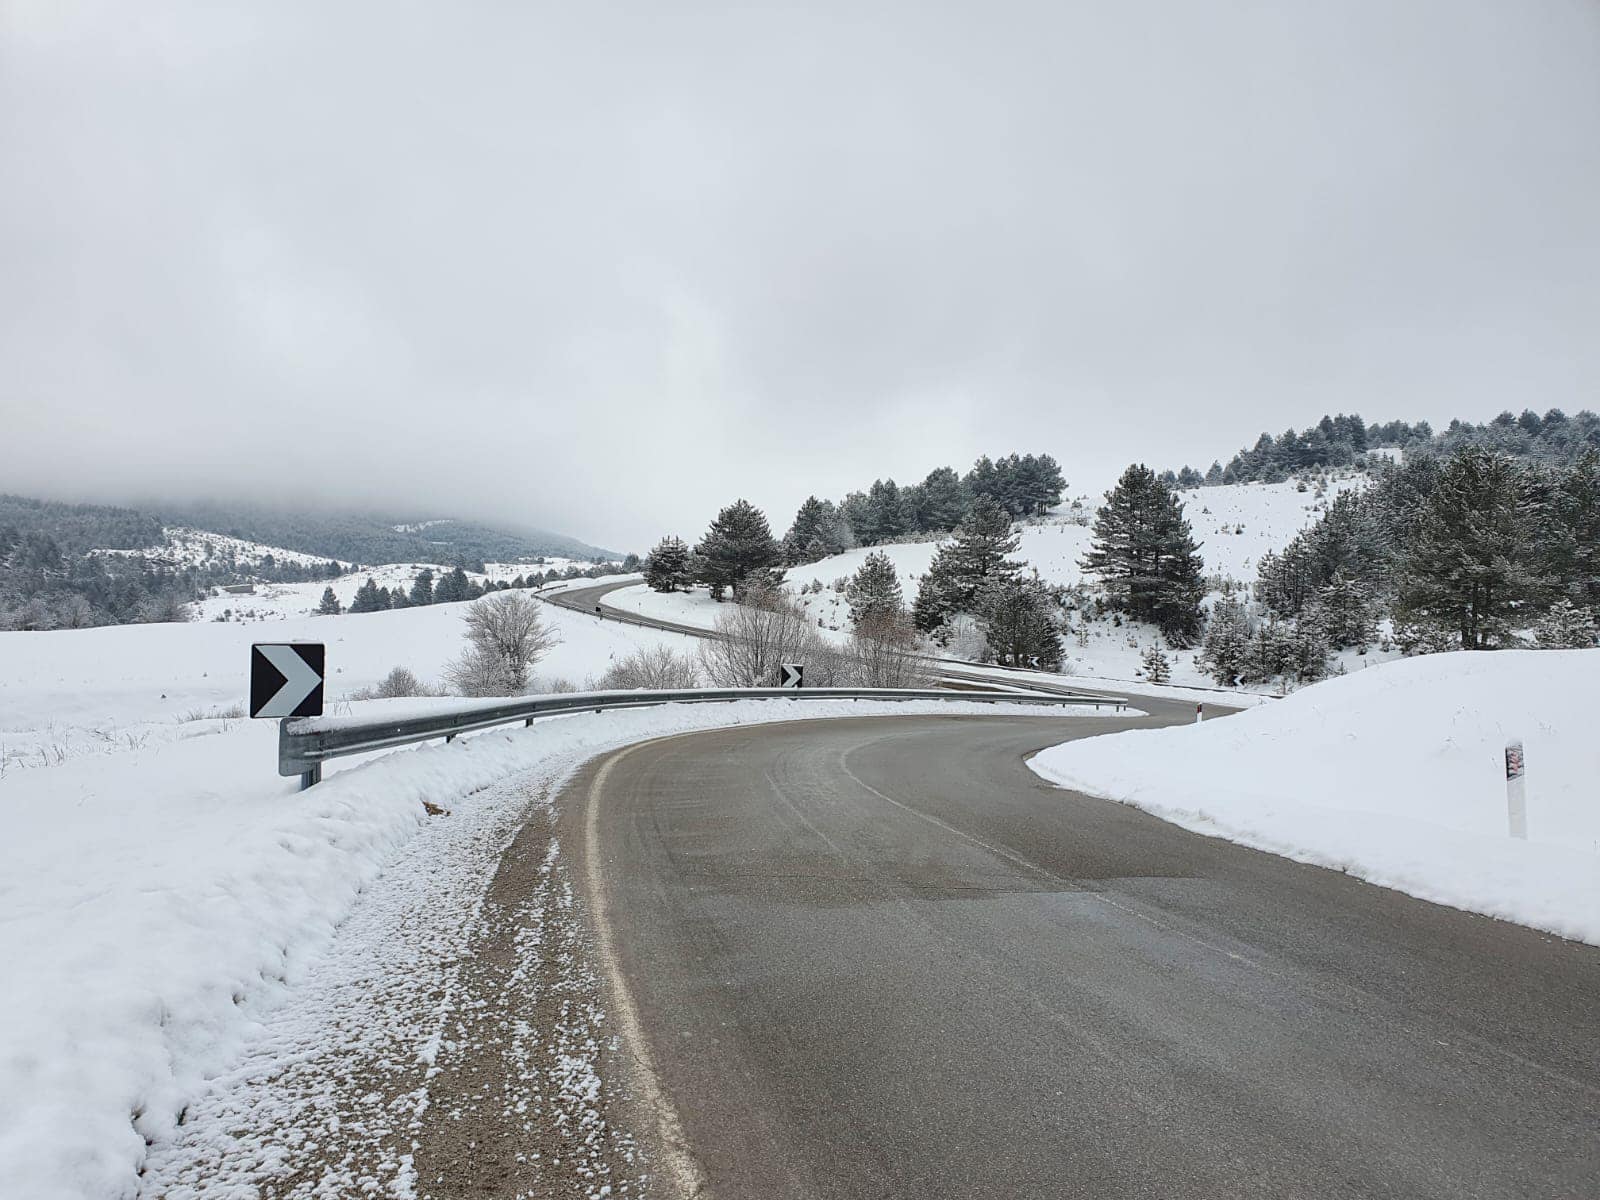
<point>305,744</point>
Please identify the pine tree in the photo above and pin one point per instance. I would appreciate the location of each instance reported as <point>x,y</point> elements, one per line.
<point>874,590</point>
<point>1226,649</point>
<point>943,501</point>
<point>452,588</point>
<point>1146,556</point>
<point>1015,615</point>
<point>809,531</point>
<point>1343,612</point>
<point>962,567</point>
<point>1571,543</point>
<point>666,568</point>
<point>398,598</point>
<point>370,598</point>
<point>422,588</point>
<point>1467,569</point>
<point>738,545</point>
<point>330,605</point>
<point>1564,627</point>
<point>1156,667</point>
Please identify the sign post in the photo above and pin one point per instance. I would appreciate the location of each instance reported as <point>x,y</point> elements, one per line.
<point>1516,791</point>
<point>792,675</point>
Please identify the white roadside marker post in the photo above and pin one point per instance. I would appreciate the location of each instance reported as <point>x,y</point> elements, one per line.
<point>1516,791</point>
<point>1199,713</point>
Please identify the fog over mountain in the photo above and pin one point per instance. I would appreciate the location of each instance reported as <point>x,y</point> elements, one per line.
<point>603,268</point>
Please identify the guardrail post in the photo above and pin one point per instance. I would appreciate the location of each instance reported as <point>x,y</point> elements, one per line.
<point>313,776</point>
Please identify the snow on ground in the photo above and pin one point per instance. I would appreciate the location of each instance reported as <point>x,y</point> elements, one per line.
<point>163,904</point>
<point>65,693</point>
<point>1396,775</point>
<point>1235,525</point>
<point>280,601</point>
<point>184,547</point>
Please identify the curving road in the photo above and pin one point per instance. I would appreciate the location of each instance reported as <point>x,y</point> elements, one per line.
<point>879,958</point>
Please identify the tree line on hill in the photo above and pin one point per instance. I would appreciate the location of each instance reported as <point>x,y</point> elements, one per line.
<point>975,596</point>
<point>455,586</point>
<point>1554,439</point>
<point>1463,553</point>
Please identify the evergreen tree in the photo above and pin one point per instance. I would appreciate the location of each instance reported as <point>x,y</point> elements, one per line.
<point>1343,612</point>
<point>666,568</point>
<point>738,544</point>
<point>943,501</point>
<point>1571,534</point>
<point>1156,667</point>
<point>452,588</point>
<point>422,588</point>
<point>1146,556</point>
<point>1226,649</point>
<point>962,567</point>
<point>874,590</point>
<point>1564,627</point>
<point>808,531</point>
<point>370,598</point>
<point>330,605</point>
<point>1467,569</point>
<point>1015,615</point>
<point>398,598</point>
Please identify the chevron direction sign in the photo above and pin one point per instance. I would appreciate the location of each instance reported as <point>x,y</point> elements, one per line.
<point>286,679</point>
<point>791,675</point>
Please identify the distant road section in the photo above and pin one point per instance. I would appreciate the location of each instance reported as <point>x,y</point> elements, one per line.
<point>880,958</point>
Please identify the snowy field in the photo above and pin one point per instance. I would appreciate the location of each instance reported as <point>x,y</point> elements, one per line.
<point>1395,775</point>
<point>184,547</point>
<point>282,601</point>
<point>67,693</point>
<point>1235,526</point>
<point>168,907</point>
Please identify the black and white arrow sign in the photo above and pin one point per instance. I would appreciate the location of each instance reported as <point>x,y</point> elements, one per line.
<point>286,679</point>
<point>791,674</point>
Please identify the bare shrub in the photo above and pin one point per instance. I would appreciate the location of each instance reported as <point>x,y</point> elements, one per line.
<point>234,712</point>
<point>506,636</point>
<point>883,653</point>
<point>480,672</point>
<point>397,683</point>
<point>657,668</point>
<point>760,634</point>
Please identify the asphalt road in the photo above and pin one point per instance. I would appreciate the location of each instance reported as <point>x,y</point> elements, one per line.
<point>879,958</point>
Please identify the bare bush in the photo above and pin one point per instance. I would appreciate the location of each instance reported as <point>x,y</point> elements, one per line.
<point>506,636</point>
<point>883,653</point>
<point>397,683</point>
<point>480,672</point>
<point>658,668</point>
<point>756,637</point>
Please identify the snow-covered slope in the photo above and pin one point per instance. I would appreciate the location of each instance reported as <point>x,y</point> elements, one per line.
<point>1235,525</point>
<point>67,693</point>
<point>184,547</point>
<point>1396,775</point>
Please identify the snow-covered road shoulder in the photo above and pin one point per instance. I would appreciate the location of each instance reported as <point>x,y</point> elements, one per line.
<point>1394,775</point>
<point>158,906</point>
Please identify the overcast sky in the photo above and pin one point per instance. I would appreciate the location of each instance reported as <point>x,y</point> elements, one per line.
<point>603,267</point>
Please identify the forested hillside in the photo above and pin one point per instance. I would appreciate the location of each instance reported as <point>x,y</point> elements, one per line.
<point>380,537</point>
<point>1554,439</point>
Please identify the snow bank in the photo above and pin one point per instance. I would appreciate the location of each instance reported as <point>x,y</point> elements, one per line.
<point>1394,774</point>
<point>159,903</point>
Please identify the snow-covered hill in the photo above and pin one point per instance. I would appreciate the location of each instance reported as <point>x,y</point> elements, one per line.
<point>184,547</point>
<point>1235,525</point>
<point>68,693</point>
<point>283,601</point>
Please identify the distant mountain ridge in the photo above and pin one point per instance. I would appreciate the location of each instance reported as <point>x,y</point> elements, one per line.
<point>381,537</point>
